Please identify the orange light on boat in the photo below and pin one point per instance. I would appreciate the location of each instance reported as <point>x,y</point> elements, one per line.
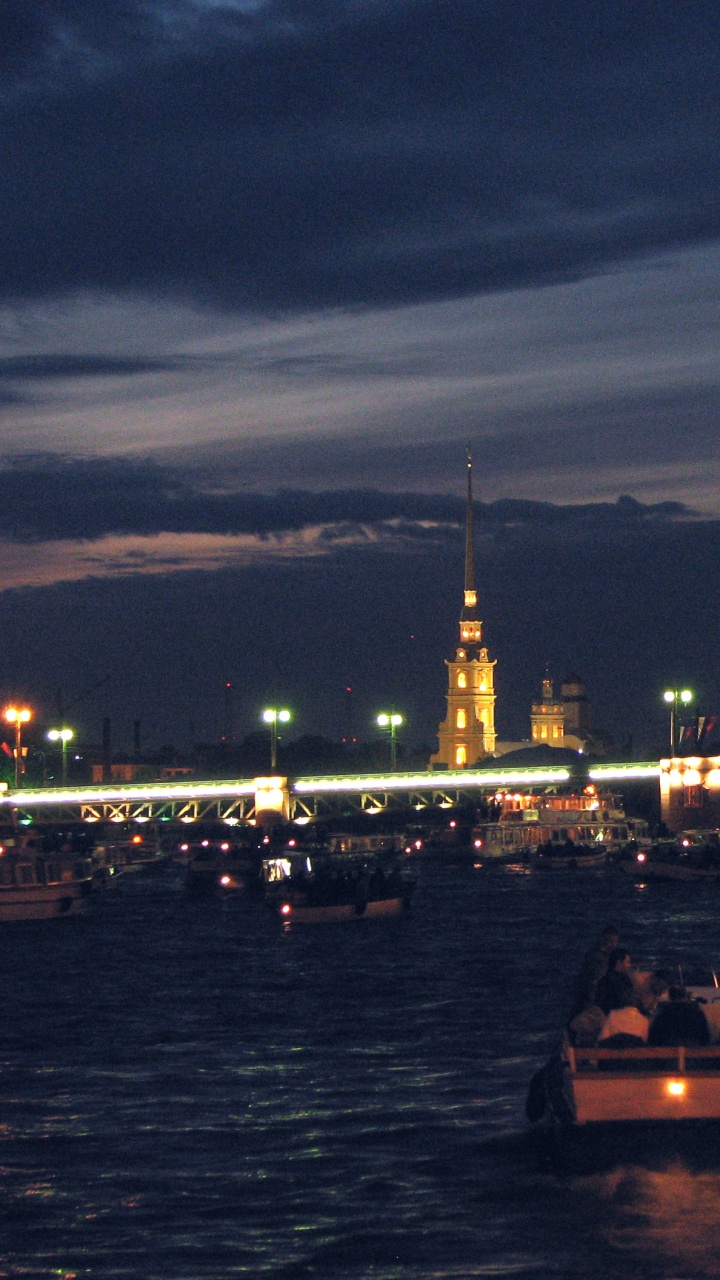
<point>676,1088</point>
<point>286,909</point>
<point>136,840</point>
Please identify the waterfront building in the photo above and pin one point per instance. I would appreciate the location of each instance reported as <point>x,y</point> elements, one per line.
<point>467,734</point>
<point>563,721</point>
<point>690,793</point>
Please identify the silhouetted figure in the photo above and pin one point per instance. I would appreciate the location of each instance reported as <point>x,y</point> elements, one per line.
<point>679,1021</point>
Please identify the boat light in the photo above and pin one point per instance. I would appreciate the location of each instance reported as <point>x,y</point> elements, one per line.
<point>225,880</point>
<point>478,844</point>
<point>224,847</point>
<point>676,1088</point>
<point>641,857</point>
<point>286,909</point>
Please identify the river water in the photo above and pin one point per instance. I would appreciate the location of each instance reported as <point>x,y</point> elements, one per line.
<point>189,1091</point>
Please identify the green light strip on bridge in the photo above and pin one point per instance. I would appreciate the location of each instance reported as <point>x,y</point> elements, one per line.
<point>430,781</point>
<point>110,795</point>
<point>619,771</point>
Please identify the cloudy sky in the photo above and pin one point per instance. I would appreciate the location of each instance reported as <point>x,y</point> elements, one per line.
<point>267,266</point>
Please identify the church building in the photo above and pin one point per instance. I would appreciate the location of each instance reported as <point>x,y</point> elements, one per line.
<point>467,734</point>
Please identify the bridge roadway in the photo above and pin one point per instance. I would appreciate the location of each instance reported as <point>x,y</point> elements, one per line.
<point>296,799</point>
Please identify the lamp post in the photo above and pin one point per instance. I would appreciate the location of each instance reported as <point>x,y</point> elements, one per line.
<point>63,736</point>
<point>271,716</point>
<point>18,716</point>
<point>390,720</point>
<point>675,698</point>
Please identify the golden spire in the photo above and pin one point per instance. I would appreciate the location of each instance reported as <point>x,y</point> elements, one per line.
<point>470,591</point>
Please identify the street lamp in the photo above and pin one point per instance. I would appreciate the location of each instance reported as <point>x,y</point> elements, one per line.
<point>271,717</point>
<point>391,720</point>
<point>63,736</point>
<point>675,698</point>
<point>18,716</point>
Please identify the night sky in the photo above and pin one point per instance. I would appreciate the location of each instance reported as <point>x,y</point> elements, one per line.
<point>267,267</point>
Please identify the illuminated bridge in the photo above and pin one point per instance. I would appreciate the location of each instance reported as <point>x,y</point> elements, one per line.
<point>296,799</point>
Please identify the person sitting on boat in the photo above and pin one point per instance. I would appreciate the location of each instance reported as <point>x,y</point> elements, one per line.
<point>593,968</point>
<point>651,988</point>
<point>679,1020</point>
<point>616,988</point>
<point>625,1026</point>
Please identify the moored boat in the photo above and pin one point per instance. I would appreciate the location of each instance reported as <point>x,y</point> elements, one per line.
<point>35,885</point>
<point>523,822</point>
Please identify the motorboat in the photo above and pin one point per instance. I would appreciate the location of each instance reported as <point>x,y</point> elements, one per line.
<point>37,885</point>
<point>328,889</point>
<point>605,1093</point>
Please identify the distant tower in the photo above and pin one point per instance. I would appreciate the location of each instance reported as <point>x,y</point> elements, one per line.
<point>547,718</point>
<point>576,707</point>
<point>467,734</point>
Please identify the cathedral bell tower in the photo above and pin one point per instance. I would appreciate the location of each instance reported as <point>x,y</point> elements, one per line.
<point>467,734</point>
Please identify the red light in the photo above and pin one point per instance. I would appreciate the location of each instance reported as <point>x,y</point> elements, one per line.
<point>136,840</point>
<point>418,844</point>
<point>291,844</point>
<point>286,909</point>
<point>205,843</point>
<point>224,847</point>
<point>478,844</point>
<point>641,857</point>
<point>184,848</point>
<point>453,824</point>
<point>225,880</point>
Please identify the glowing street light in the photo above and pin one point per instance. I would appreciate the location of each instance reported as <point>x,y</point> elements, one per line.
<point>676,698</point>
<point>390,720</point>
<point>18,716</point>
<point>272,716</point>
<point>62,736</point>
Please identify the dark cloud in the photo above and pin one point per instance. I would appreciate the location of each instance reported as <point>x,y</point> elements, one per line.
<point>47,498</point>
<point>48,367</point>
<point>302,153</point>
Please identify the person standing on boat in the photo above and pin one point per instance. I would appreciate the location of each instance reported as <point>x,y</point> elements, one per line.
<point>616,987</point>
<point>593,969</point>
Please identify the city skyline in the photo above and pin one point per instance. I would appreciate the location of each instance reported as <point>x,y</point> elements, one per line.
<point>268,266</point>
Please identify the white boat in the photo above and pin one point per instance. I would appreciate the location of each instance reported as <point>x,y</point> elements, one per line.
<point>596,1086</point>
<point>41,886</point>
<point>526,821</point>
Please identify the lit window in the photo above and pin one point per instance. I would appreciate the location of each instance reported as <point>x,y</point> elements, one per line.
<point>692,798</point>
<point>462,680</point>
<point>461,720</point>
<point>460,756</point>
<point>543,731</point>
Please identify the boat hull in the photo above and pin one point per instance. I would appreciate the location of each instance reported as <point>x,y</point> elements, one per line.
<point>43,902</point>
<point>340,912</point>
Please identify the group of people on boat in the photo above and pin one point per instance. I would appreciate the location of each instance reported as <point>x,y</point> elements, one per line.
<point>618,1007</point>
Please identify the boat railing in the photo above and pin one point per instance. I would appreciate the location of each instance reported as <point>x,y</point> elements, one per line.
<point>590,1057</point>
